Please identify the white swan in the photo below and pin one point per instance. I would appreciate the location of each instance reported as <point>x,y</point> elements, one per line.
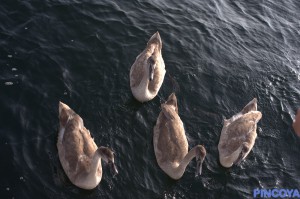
<point>238,135</point>
<point>148,71</point>
<point>79,155</point>
<point>170,143</point>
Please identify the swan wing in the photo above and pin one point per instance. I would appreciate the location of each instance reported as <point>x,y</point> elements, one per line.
<point>171,142</point>
<point>239,131</point>
<point>78,147</point>
<point>137,71</point>
<point>159,72</point>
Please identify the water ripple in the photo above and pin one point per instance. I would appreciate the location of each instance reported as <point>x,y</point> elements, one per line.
<point>219,54</point>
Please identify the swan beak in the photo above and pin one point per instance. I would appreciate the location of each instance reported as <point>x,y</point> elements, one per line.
<point>113,168</point>
<point>199,167</point>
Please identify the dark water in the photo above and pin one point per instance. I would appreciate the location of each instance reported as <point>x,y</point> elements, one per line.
<point>221,53</point>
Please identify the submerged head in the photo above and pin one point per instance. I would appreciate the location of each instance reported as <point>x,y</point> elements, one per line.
<point>108,156</point>
<point>200,156</point>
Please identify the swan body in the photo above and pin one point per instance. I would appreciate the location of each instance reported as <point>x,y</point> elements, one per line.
<point>148,71</point>
<point>79,155</point>
<point>170,143</point>
<point>238,135</point>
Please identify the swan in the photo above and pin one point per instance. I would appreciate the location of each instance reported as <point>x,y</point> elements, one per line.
<point>148,71</point>
<point>238,135</point>
<point>170,143</point>
<point>79,155</point>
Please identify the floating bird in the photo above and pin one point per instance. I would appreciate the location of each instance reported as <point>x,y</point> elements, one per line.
<point>79,155</point>
<point>238,135</point>
<point>148,71</point>
<point>170,143</point>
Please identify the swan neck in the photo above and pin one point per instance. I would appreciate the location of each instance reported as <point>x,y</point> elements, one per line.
<point>185,161</point>
<point>95,163</point>
<point>92,178</point>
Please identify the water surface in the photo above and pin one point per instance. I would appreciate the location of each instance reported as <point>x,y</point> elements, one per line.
<point>221,53</point>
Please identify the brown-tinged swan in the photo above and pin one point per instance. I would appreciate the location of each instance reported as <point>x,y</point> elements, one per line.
<point>148,71</point>
<point>79,155</point>
<point>238,135</point>
<point>170,143</point>
<point>296,123</point>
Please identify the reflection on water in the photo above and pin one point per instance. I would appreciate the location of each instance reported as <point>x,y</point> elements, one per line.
<point>221,54</point>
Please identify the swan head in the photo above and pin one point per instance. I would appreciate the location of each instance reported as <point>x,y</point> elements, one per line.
<point>108,156</point>
<point>200,156</point>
